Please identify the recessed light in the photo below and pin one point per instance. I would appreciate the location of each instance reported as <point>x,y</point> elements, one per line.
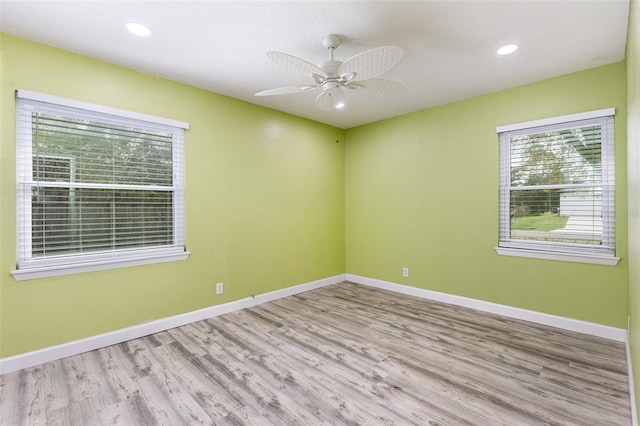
<point>508,49</point>
<point>139,29</point>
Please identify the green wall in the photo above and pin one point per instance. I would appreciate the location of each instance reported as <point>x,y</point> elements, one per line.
<point>633,140</point>
<point>422,193</point>
<point>264,203</point>
<point>269,197</point>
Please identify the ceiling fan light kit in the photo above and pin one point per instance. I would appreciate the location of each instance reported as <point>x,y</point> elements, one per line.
<point>355,75</point>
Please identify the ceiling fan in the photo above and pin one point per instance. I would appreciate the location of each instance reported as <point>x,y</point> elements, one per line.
<point>355,75</point>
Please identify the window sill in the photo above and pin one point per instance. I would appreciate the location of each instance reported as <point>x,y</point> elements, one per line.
<point>34,272</point>
<point>566,257</point>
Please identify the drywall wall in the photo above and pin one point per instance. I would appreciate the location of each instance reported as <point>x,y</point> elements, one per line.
<point>264,203</point>
<point>633,140</point>
<point>422,193</point>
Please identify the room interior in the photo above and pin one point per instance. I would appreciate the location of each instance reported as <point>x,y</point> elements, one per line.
<point>282,197</point>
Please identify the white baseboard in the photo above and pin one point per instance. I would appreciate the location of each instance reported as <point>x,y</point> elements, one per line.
<point>607,332</point>
<point>632,392</point>
<point>64,350</point>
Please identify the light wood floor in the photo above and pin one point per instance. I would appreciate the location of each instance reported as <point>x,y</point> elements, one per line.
<point>341,355</point>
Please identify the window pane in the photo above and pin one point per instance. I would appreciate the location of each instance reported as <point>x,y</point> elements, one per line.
<point>84,220</point>
<point>51,221</point>
<point>53,168</point>
<point>558,215</point>
<point>571,156</point>
<point>104,153</point>
<point>81,220</point>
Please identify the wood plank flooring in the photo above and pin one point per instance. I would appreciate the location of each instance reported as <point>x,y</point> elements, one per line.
<point>341,355</point>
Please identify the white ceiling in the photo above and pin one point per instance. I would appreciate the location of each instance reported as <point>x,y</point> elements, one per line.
<point>449,45</point>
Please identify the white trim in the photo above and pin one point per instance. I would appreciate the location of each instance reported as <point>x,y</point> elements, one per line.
<point>593,329</point>
<point>632,393</point>
<point>607,112</point>
<point>72,184</point>
<point>63,260</point>
<point>33,273</point>
<point>42,97</point>
<point>64,350</point>
<point>551,255</point>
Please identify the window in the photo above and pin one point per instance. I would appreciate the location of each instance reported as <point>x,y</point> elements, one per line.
<point>97,187</point>
<point>557,188</point>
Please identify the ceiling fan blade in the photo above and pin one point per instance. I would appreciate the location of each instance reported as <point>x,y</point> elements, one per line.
<point>371,63</point>
<point>376,87</point>
<point>296,65</point>
<point>329,100</point>
<point>285,90</point>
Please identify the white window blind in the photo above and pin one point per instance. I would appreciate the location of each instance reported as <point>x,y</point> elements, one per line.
<point>557,187</point>
<point>95,186</point>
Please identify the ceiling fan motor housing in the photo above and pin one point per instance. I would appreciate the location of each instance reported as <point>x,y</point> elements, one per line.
<point>331,87</point>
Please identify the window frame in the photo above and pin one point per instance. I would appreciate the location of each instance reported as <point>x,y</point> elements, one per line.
<point>28,267</point>
<point>576,252</point>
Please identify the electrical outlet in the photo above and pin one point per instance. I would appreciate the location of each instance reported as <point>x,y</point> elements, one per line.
<point>405,272</point>
<point>219,288</point>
